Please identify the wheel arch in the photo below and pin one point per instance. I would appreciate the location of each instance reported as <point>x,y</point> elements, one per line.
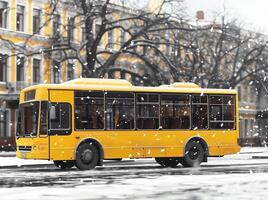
<point>98,146</point>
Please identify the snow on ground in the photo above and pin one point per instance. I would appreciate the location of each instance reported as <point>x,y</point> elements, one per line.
<point>195,187</point>
<point>231,177</point>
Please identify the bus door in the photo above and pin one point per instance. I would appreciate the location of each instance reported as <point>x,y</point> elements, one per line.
<point>42,143</point>
<point>61,142</point>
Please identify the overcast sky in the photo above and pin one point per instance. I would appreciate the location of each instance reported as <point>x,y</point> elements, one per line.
<point>253,14</point>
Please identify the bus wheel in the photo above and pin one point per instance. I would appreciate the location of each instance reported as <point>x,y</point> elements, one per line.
<point>168,162</point>
<point>194,154</point>
<point>64,164</point>
<point>87,156</point>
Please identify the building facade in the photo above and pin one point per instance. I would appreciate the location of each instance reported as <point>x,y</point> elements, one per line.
<point>29,24</point>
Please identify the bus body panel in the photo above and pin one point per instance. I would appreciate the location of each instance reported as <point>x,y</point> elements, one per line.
<point>123,143</point>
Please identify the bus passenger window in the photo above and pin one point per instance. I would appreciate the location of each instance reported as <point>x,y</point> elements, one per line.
<point>175,111</point>
<point>119,110</point>
<point>148,111</point>
<point>199,112</point>
<point>222,111</point>
<point>89,110</point>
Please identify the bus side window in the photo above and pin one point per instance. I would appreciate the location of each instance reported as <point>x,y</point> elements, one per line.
<point>62,117</point>
<point>222,111</point>
<point>175,111</point>
<point>119,110</point>
<point>199,112</point>
<point>89,110</point>
<point>147,111</point>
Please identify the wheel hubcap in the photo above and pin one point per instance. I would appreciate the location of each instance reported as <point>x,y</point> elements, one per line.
<point>193,153</point>
<point>87,156</point>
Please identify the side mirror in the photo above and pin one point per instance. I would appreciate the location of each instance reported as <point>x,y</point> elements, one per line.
<point>52,113</point>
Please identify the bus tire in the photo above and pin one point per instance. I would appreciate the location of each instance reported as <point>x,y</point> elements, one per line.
<point>194,154</point>
<point>64,164</point>
<point>168,162</point>
<point>87,156</point>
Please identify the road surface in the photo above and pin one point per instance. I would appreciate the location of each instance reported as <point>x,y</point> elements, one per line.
<point>231,177</point>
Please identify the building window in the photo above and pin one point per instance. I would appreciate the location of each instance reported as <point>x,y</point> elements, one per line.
<point>122,38</point>
<point>20,18</point>
<point>3,68</point>
<point>70,29</point>
<point>36,21</point>
<point>3,14</point>
<point>56,72</point>
<point>20,68</point>
<point>110,43</point>
<point>70,71</point>
<point>36,70</point>
<point>56,25</point>
<point>83,30</point>
<point>4,122</point>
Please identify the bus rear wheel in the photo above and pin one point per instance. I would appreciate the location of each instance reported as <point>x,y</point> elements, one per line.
<point>87,156</point>
<point>168,162</point>
<point>194,154</point>
<point>64,164</point>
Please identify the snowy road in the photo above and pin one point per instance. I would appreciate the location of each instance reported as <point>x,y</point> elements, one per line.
<point>231,177</point>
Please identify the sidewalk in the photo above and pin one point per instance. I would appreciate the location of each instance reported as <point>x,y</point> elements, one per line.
<point>9,160</point>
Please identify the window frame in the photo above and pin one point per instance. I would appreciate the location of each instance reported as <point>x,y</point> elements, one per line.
<point>4,16</point>
<point>152,103</point>
<point>222,117</point>
<point>134,107</point>
<point>104,120</point>
<point>60,131</point>
<point>36,80</point>
<point>20,28</point>
<point>177,104</point>
<point>20,67</point>
<point>38,31</point>
<point>202,104</point>
<point>4,69</point>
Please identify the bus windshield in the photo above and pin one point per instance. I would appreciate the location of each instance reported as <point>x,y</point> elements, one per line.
<point>28,119</point>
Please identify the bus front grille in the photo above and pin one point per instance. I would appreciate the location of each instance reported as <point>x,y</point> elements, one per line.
<point>25,148</point>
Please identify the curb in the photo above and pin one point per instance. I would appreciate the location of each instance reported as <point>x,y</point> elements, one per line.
<point>25,166</point>
<point>260,157</point>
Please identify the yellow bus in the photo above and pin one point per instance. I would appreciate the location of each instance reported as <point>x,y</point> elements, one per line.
<point>85,121</point>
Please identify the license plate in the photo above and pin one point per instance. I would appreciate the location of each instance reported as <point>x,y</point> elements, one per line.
<point>23,154</point>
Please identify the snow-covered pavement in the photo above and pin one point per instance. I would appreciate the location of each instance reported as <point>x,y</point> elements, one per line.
<point>236,176</point>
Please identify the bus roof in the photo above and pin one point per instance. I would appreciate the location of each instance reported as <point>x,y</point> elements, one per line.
<point>124,85</point>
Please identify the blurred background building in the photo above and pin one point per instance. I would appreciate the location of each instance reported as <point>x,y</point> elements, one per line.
<point>24,25</point>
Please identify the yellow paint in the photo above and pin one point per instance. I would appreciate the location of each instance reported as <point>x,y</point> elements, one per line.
<point>78,29</point>
<point>63,19</point>
<point>78,69</point>
<point>64,71</point>
<point>13,66</point>
<point>47,30</point>
<point>30,70</point>
<point>47,69</point>
<point>13,15</point>
<point>124,143</point>
<point>30,16</point>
